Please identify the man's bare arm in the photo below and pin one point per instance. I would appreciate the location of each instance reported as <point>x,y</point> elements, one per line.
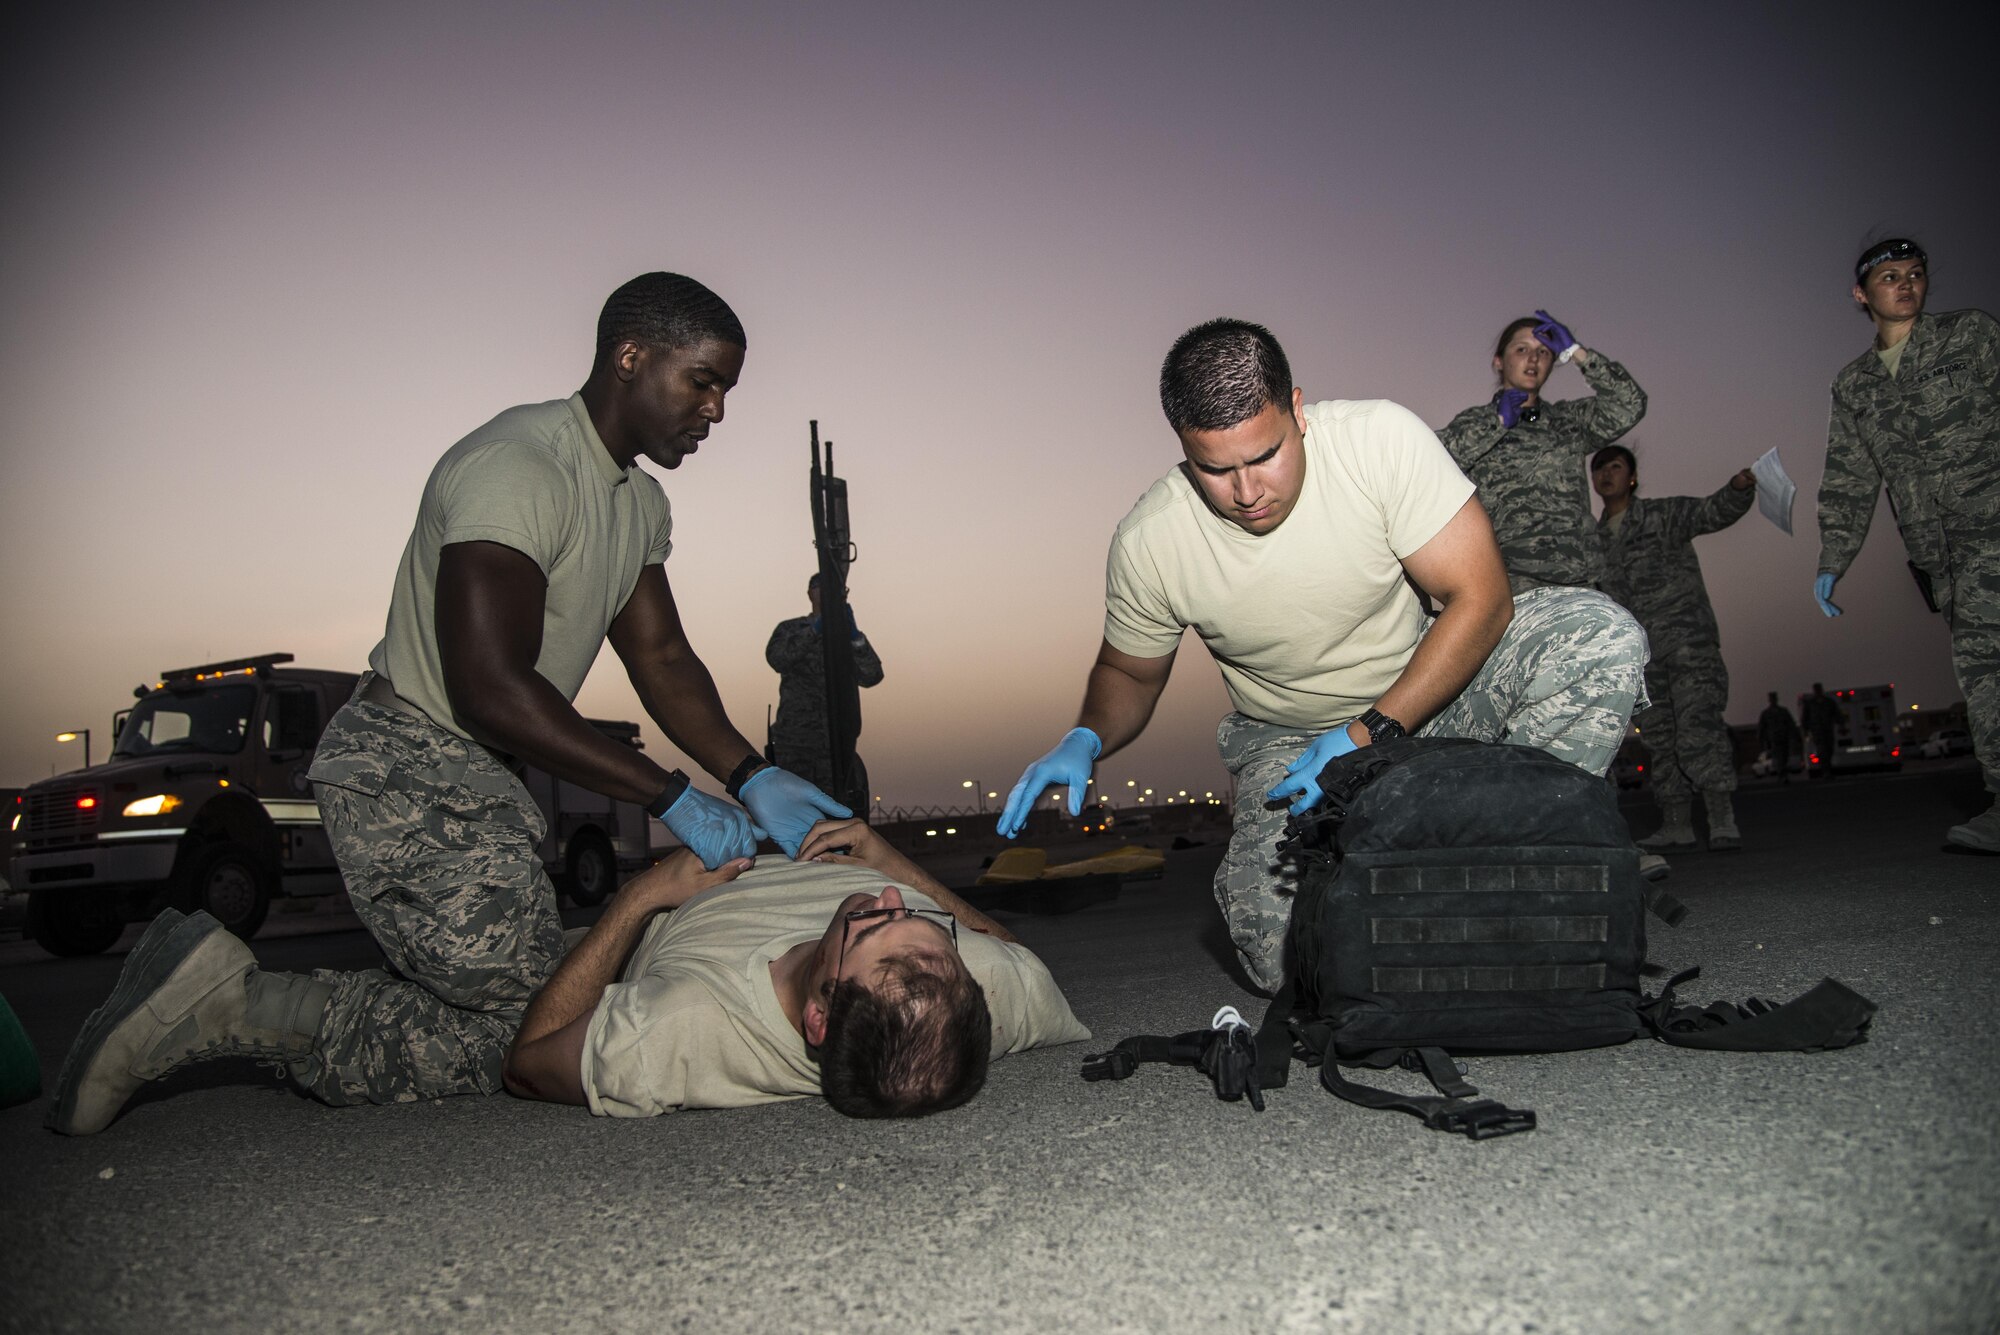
<point>1461,568</point>
<point>546,1059</point>
<point>672,681</point>
<point>854,843</point>
<point>1122,694</point>
<point>490,600</point>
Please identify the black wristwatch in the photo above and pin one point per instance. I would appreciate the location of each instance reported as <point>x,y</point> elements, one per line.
<point>1380,726</point>
<point>677,783</point>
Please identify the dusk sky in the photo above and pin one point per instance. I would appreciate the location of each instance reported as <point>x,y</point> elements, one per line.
<point>265,263</point>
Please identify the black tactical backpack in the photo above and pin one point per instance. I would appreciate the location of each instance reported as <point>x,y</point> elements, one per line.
<point>1459,898</point>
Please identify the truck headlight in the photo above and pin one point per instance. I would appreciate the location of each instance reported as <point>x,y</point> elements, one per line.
<point>159,804</point>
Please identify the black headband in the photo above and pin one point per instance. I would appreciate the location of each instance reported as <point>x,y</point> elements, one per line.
<point>1898,249</point>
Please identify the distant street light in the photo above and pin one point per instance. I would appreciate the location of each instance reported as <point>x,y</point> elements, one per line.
<point>72,736</point>
<point>977,795</point>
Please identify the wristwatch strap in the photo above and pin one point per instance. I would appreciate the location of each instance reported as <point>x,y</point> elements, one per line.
<point>677,783</point>
<point>741,775</point>
<point>1380,726</point>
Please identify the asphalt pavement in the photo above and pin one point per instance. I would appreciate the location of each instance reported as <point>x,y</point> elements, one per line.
<point>1665,1189</point>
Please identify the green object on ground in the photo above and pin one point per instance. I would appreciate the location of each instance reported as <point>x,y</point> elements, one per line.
<point>20,1068</point>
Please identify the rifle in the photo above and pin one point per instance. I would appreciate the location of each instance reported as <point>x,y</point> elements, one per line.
<point>835,548</point>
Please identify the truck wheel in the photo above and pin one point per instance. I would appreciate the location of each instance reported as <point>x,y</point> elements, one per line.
<point>74,922</point>
<point>229,884</point>
<point>591,871</point>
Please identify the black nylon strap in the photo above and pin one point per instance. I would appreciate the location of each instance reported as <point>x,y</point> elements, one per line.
<point>1444,1073</point>
<point>1227,1056</point>
<point>1274,1037</point>
<point>1481,1119</point>
<point>1830,1015</point>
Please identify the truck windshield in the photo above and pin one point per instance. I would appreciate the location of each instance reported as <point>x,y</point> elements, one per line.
<point>211,721</point>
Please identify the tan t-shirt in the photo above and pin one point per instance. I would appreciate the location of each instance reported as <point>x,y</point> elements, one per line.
<point>1311,622</point>
<point>537,479</point>
<point>1892,356</point>
<point>695,1022</point>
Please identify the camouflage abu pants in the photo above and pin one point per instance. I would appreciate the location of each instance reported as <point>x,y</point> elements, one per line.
<point>1564,677</point>
<point>437,843</point>
<point>1975,643</point>
<point>1683,726</point>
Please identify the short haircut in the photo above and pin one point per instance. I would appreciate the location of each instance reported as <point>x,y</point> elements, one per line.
<point>916,1043</point>
<point>1221,373</point>
<point>666,310</point>
<point>1610,452</point>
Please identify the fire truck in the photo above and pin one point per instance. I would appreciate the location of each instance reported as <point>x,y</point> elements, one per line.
<point>205,804</point>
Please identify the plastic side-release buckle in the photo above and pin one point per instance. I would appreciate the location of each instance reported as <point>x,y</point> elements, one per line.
<point>1113,1065</point>
<point>1482,1120</point>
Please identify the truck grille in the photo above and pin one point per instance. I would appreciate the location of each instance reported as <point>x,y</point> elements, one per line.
<point>59,816</point>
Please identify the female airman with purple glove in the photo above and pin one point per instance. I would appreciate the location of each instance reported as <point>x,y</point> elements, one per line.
<point>1526,454</point>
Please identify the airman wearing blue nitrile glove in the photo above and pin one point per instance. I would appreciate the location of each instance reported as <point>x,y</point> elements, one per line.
<point>1823,584</point>
<point>1069,763</point>
<point>714,830</point>
<point>787,806</point>
<point>1301,781</point>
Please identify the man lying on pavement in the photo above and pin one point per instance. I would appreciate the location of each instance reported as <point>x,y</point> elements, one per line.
<point>781,979</point>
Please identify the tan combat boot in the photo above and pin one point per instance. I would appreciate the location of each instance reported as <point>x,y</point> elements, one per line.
<point>190,990</point>
<point>1722,833</point>
<point>1676,827</point>
<point>1981,834</point>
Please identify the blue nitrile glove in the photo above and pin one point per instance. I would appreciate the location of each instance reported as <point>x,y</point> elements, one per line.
<point>1068,763</point>
<point>1823,584</point>
<point>1552,334</point>
<point>1302,775</point>
<point>1508,403</point>
<point>714,830</point>
<point>787,806</point>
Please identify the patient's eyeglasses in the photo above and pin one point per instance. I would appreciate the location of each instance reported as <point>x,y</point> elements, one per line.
<point>936,917</point>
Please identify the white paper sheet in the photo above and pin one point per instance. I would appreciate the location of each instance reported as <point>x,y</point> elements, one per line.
<point>1775,491</point>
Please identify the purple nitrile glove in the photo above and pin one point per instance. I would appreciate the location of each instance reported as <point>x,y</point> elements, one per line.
<point>1552,334</point>
<point>1508,403</point>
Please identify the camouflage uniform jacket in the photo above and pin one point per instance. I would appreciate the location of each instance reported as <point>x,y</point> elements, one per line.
<point>1931,434</point>
<point>1650,565</point>
<point>1531,477</point>
<point>795,654</point>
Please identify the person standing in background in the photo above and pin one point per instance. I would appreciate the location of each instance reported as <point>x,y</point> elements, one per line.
<point>1778,736</point>
<point>1819,720</point>
<point>1919,414</point>
<point>800,741</point>
<point>1650,567</point>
